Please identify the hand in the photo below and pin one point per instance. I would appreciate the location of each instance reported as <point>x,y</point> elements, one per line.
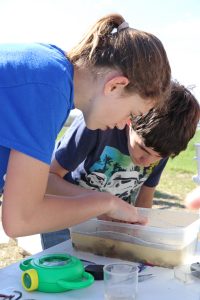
<point>104,217</point>
<point>192,200</point>
<point>122,211</point>
<point>107,218</point>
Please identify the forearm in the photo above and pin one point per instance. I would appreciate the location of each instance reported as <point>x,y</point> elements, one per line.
<point>145,197</point>
<point>144,203</point>
<point>57,212</point>
<point>59,186</point>
<point>27,210</point>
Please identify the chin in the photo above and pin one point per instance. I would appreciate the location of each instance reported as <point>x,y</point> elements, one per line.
<point>135,162</point>
<point>141,165</point>
<point>138,163</point>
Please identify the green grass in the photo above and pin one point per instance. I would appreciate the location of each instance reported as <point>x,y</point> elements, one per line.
<point>185,161</point>
<point>176,180</point>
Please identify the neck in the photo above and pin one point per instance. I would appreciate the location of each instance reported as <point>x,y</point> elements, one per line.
<point>83,83</point>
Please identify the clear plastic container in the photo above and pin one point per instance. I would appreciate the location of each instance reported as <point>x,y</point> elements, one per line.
<point>169,238</point>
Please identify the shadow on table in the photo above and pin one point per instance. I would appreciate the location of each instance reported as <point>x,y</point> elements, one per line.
<point>165,200</point>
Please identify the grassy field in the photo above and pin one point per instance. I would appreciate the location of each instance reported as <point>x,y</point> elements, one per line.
<point>176,180</point>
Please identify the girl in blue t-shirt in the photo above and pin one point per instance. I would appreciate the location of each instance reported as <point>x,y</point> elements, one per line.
<point>114,72</point>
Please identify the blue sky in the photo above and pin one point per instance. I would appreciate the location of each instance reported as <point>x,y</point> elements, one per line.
<point>62,22</point>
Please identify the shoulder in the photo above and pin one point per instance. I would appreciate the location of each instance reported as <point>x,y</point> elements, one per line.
<point>34,63</point>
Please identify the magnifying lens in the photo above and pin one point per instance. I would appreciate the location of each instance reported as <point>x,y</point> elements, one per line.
<point>54,273</point>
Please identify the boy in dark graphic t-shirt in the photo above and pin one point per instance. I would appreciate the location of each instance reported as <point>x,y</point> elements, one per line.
<point>127,163</point>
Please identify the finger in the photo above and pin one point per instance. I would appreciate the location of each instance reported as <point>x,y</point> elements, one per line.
<point>142,220</point>
<point>192,200</point>
<point>192,203</point>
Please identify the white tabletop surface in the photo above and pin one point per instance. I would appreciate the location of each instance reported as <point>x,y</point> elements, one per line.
<point>162,287</point>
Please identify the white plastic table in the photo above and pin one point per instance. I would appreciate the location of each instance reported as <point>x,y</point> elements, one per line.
<point>162,287</point>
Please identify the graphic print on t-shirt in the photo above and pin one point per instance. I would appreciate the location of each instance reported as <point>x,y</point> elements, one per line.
<point>114,172</point>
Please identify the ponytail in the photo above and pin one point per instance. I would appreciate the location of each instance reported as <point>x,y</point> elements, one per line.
<point>93,39</point>
<point>139,55</point>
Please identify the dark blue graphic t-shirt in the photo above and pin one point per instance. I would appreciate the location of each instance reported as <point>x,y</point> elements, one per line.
<point>100,160</point>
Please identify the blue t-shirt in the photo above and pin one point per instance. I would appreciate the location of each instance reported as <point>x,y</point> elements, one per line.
<point>36,96</point>
<point>100,160</point>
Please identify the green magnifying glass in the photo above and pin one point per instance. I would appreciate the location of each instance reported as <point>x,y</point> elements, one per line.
<point>54,273</point>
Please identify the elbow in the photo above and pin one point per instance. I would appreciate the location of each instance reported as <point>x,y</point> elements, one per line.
<point>12,226</point>
<point>9,230</point>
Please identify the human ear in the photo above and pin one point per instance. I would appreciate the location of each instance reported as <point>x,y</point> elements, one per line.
<point>116,85</point>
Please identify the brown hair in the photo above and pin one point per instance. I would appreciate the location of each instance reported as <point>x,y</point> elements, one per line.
<point>169,132</point>
<point>139,55</point>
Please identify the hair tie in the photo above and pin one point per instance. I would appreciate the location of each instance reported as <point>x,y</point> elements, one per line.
<point>123,25</point>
